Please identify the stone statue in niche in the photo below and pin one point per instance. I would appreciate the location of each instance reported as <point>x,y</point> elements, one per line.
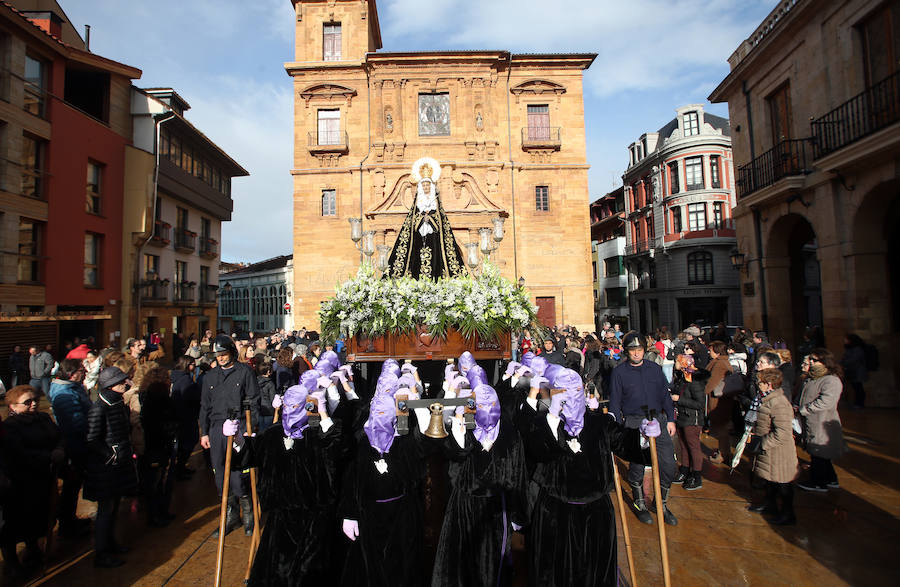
<point>388,122</point>
<point>479,121</point>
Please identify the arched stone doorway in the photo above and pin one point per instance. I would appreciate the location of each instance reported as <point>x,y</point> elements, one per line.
<point>874,267</point>
<point>793,279</point>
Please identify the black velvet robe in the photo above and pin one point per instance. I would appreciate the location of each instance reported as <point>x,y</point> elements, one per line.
<point>488,494</point>
<point>298,490</point>
<point>389,508</point>
<point>572,538</point>
<point>434,256</point>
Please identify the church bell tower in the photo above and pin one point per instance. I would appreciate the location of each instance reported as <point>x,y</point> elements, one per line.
<point>335,30</point>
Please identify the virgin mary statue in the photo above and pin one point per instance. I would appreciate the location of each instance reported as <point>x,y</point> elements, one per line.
<point>425,246</point>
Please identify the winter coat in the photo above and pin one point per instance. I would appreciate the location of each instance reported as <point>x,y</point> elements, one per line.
<point>777,460</point>
<point>691,404</point>
<point>160,423</point>
<point>718,369</point>
<point>573,360</point>
<point>223,394</point>
<point>267,391</point>
<point>555,357</point>
<point>788,378</point>
<point>738,362</point>
<point>80,352</point>
<point>40,365</point>
<point>854,364</point>
<point>284,377</point>
<point>71,404</point>
<point>92,373</point>
<point>186,397</point>
<point>133,402</point>
<point>28,445</point>
<point>822,431</point>
<point>111,470</point>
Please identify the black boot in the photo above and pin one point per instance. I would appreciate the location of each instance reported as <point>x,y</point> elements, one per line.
<point>786,516</point>
<point>232,517</point>
<point>768,506</point>
<point>694,481</point>
<point>668,516</point>
<point>639,506</point>
<point>247,514</point>
<point>682,476</point>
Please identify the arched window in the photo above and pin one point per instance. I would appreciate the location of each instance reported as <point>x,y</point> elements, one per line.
<point>700,268</point>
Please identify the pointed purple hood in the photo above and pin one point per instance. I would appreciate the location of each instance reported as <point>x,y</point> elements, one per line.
<point>294,417</point>
<point>487,413</point>
<point>573,408</point>
<point>466,361</point>
<point>380,428</point>
<point>476,376</point>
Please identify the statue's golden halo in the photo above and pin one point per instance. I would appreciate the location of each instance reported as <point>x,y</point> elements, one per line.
<point>426,168</point>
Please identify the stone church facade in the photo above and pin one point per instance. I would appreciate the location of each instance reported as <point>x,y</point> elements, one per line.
<point>507,129</point>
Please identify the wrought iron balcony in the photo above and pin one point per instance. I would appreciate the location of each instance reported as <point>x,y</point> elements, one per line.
<point>184,292</point>
<point>638,247</point>
<point>787,158</point>
<point>208,293</point>
<point>335,141</point>
<point>185,240</point>
<point>209,247</point>
<point>541,137</point>
<point>866,113</point>
<point>161,232</point>
<point>155,290</point>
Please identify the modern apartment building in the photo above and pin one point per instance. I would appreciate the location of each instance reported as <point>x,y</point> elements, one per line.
<point>608,259</point>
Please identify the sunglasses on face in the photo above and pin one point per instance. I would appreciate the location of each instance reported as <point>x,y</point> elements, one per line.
<point>27,402</point>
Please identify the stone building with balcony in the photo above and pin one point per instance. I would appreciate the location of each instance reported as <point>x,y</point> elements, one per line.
<point>507,129</point>
<point>814,99</point>
<point>608,259</point>
<point>257,297</point>
<point>678,191</point>
<point>64,127</point>
<point>173,219</point>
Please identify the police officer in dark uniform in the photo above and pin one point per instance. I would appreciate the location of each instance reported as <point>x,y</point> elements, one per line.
<point>636,388</point>
<point>226,388</point>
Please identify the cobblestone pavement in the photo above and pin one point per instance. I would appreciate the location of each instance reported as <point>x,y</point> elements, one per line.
<point>846,536</point>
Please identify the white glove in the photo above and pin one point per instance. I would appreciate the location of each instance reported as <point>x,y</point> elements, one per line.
<point>323,382</point>
<point>536,381</point>
<point>351,529</point>
<point>276,401</point>
<point>408,368</point>
<point>231,427</point>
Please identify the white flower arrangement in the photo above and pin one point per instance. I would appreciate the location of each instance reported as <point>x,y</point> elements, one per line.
<point>487,304</point>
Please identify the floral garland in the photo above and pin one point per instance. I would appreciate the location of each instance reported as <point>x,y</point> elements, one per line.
<point>486,304</point>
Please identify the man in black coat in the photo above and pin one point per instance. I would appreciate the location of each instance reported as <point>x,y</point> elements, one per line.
<point>111,471</point>
<point>552,354</point>
<point>226,389</point>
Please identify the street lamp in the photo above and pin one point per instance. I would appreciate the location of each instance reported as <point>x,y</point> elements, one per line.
<point>737,259</point>
<point>522,282</point>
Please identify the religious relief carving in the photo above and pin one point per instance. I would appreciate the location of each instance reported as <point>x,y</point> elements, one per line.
<point>541,155</point>
<point>434,114</point>
<point>328,159</point>
<point>388,121</point>
<point>479,120</point>
<point>468,195</point>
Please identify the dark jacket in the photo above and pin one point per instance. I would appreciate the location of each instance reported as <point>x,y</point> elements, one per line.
<point>186,397</point>
<point>71,405</point>
<point>267,391</point>
<point>633,387</point>
<point>283,377</point>
<point>691,404</point>
<point>28,449</point>
<point>223,394</point>
<point>573,361</point>
<point>17,364</point>
<point>160,423</point>
<point>554,357</point>
<point>111,469</point>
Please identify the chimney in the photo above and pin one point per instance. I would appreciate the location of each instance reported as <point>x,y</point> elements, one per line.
<point>48,21</point>
<point>87,37</point>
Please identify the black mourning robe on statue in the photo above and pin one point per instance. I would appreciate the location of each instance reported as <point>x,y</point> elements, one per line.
<point>435,256</point>
<point>389,508</point>
<point>488,494</point>
<point>572,539</point>
<point>298,489</point>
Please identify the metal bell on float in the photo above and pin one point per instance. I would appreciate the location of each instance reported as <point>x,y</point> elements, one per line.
<point>436,423</point>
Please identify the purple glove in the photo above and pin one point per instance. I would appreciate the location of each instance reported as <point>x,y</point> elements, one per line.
<point>511,368</point>
<point>408,368</point>
<point>351,529</point>
<point>320,398</point>
<point>556,403</point>
<point>536,381</point>
<point>450,372</point>
<point>458,382</point>
<point>231,428</point>
<point>524,371</point>
<point>276,401</point>
<point>593,403</point>
<point>650,428</point>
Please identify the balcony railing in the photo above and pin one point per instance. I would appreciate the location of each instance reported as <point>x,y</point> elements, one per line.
<point>785,159</point>
<point>209,247</point>
<point>155,291</point>
<point>538,137</point>
<point>185,240</point>
<point>638,247</point>
<point>161,232</point>
<point>328,141</point>
<point>866,113</point>
<point>184,292</point>
<point>208,294</point>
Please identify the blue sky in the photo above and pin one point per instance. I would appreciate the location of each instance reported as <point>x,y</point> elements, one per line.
<point>225,57</point>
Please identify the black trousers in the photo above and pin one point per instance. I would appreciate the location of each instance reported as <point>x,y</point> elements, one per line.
<point>821,471</point>
<point>665,454</point>
<point>73,479</point>
<point>157,484</point>
<point>105,524</point>
<point>237,486</point>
